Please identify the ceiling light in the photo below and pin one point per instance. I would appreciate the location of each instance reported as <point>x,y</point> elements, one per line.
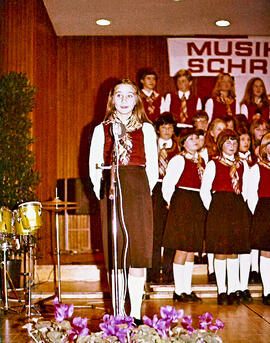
<point>223,22</point>
<point>103,22</point>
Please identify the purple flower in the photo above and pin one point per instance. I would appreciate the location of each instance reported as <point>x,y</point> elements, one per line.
<point>117,326</point>
<point>79,328</point>
<point>205,320</point>
<point>218,325</point>
<point>161,325</point>
<point>62,311</point>
<point>186,324</point>
<point>169,313</point>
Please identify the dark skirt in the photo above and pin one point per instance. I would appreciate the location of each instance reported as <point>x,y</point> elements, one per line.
<point>228,225</point>
<point>260,232</point>
<point>138,218</point>
<point>185,223</point>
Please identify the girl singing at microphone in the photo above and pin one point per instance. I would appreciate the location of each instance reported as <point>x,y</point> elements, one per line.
<point>138,174</point>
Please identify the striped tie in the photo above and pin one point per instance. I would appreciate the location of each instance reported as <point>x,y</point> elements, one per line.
<point>183,109</point>
<point>162,160</point>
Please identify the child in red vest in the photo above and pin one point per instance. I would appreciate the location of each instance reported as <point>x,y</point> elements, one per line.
<point>184,230</point>
<point>259,204</point>
<point>224,191</point>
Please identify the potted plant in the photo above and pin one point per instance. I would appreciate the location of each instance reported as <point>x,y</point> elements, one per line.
<point>18,177</point>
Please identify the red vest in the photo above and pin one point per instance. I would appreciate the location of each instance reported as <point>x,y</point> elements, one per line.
<point>190,176</point>
<point>223,181</point>
<point>137,156</point>
<point>264,183</point>
<point>153,116</point>
<point>175,107</point>
<point>252,108</point>
<point>171,152</point>
<point>220,109</point>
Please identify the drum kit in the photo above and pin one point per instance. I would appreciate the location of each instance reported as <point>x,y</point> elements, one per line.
<point>19,228</point>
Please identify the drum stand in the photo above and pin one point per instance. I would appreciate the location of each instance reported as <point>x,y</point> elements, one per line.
<point>28,283</point>
<point>6,274</point>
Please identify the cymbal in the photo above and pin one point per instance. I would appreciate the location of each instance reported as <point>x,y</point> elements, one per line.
<point>58,202</point>
<point>54,209</point>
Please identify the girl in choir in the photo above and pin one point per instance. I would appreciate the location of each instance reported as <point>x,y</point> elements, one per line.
<point>214,129</point>
<point>184,230</point>
<point>223,101</point>
<point>259,204</point>
<point>255,103</point>
<point>258,128</point>
<point>246,155</point>
<point>223,192</point>
<point>126,123</point>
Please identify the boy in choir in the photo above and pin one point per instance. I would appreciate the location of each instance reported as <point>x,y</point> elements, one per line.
<point>223,192</point>
<point>167,148</point>
<point>151,99</point>
<point>259,204</point>
<point>184,230</point>
<point>183,103</point>
<point>200,120</point>
<point>223,101</point>
<point>125,122</point>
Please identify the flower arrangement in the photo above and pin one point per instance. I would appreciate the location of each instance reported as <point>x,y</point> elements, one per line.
<point>173,326</point>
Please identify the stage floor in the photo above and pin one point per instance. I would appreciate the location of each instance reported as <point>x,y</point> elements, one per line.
<point>244,323</point>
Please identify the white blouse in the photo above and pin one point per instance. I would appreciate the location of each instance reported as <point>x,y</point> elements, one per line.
<point>253,186</point>
<point>165,106</point>
<point>96,156</point>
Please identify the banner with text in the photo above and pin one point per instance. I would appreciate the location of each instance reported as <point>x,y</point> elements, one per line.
<point>243,58</point>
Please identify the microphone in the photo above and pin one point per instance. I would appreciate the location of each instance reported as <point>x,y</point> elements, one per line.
<point>118,130</point>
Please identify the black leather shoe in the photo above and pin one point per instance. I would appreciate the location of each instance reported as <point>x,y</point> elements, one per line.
<point>137,322</point>
<point>183,297</point>
<point>266,299</point>
<point>211,278</point>
<point>246,296</point>
<point>232,299</point>
<point>195,298</point>
<point>254,277</point>
<point>238,295</point>
<point>222,299</point>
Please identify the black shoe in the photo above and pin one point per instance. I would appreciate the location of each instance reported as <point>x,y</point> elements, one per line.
<point>266,299</point>
<point>246,297</point>
<point>222,299</point>
<point>211,278</point>
<point>137,322</point>
<point>254,277</point>
<point>238,297</point>
<point>232,299</point>
<point>195,298</point>
<point>183,298</point>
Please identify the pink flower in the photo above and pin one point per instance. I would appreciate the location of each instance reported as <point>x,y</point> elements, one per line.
<point>62,311</point>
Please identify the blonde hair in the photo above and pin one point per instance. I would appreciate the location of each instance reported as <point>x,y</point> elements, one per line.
<point>138,110</point>
<point>216,90</point>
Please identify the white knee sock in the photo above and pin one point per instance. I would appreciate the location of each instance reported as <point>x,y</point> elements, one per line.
<point>233,275</point>
<point>244,260</point>
<point>179,275</point>
<point>265,274</point>
<point>210,263</point>
<point>188,269</point>
<point>220,271</point>
<point>254,260</point>
<point>136,289</point>
<point>121,290</point>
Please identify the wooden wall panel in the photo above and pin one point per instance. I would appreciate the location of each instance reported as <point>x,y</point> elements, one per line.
<point>86,70</point>
<point>28,45</point>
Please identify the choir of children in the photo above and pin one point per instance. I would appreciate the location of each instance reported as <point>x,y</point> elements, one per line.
<point>211,196</point>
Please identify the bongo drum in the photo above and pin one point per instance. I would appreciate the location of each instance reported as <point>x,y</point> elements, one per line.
<point>5,220</point>
<point>30,216</point>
